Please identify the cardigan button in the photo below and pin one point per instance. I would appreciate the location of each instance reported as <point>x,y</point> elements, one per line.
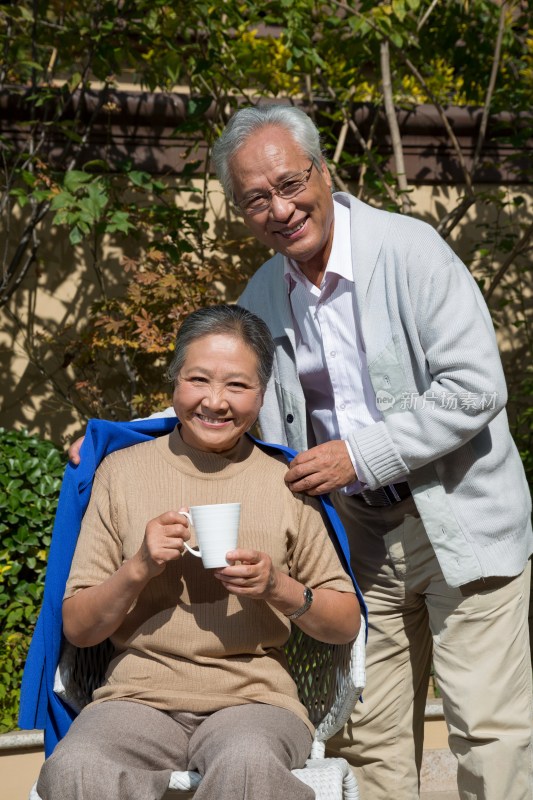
<point>290,418</point>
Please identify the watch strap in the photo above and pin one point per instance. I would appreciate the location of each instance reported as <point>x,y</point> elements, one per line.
<point>308,599</point>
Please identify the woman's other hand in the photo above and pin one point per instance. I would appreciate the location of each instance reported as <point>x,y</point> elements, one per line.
<point>250,573</point>
<point>333,616</point>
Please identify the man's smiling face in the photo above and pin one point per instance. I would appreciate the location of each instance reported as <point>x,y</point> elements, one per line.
<point>301,227</point>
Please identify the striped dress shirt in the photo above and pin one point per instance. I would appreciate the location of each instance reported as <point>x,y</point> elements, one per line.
<point>330,354</point>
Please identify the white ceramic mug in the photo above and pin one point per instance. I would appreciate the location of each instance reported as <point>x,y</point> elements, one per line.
<point>217,528</point>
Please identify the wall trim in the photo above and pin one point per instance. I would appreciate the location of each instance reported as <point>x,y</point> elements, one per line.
<point>150,130</point>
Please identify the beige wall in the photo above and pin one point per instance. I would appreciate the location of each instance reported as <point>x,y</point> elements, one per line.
<point>34,389</point>
<point>18,773</point>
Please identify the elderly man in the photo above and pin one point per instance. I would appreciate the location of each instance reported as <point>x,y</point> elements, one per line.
<point>388,382</point>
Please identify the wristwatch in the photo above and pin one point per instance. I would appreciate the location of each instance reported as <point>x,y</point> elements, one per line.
<point>308,599</point>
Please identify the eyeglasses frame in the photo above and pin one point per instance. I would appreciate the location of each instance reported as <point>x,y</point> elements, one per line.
<point>275,191</point>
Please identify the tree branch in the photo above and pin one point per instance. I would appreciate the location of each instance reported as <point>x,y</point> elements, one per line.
<point>337,155</point>
<point>340,142</point>
<point>394,128</point>
<point>363,144</point>
<point>37,364</point>
<point>426,15</point>
<point>490,88</point>
<point>7,288</point>
<point>519,246</point>
<point>448,222</point>
<point>417,74</point>
<point>364,166</point>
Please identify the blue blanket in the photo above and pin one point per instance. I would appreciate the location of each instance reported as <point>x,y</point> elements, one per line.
<point>39,706</point>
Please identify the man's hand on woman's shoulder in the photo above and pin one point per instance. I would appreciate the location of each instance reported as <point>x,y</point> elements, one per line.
<point>74,451</point>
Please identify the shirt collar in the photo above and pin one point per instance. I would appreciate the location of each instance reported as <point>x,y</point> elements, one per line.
<point>340,258</point>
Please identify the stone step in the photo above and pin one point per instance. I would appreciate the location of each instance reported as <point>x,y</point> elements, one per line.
<point>438,779</point>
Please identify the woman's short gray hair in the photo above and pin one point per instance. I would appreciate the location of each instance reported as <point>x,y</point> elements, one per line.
<point>250,119</point>
<point>225,319</point>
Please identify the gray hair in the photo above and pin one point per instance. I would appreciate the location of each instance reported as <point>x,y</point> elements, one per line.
<point>234,321</point>
<point>250,119</point>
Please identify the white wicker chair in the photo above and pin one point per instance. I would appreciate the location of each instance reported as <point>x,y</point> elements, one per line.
<point>329,678</point>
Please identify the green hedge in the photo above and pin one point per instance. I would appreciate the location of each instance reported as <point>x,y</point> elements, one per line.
<point>30,477</point>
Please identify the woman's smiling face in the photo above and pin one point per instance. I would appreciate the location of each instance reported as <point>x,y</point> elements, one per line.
<point>218,394</point>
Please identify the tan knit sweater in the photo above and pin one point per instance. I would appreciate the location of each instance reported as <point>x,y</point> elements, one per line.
<point>187,644</point>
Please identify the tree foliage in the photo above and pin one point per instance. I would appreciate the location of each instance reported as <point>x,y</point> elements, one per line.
<point>338,58</point>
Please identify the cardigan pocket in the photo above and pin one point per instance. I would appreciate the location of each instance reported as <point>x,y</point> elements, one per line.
<point>389,379</point>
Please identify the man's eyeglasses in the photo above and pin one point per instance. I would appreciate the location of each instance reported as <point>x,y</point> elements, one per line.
<point>287,189</point>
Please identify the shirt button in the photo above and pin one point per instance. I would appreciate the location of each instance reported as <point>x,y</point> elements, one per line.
<point>343,406</point>
<point>333,353</point>
<point>290,418</point>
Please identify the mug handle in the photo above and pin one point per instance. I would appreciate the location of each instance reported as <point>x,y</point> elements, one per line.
<point>196,553</point>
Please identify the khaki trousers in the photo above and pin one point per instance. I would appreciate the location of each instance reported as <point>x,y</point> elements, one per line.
<point>121,750</point>
<point>478,636</point>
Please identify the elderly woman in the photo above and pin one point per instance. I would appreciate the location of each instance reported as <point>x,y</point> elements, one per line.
<point>198,679</point>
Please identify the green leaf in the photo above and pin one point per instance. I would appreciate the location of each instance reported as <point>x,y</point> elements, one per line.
<point>74,179</point>
<point>91,207</point>
<point>72,135</point>
<point>96,164</point>
<point>75,235</point>
<point>62,200</point>
<point>138,178</point>
<point>74,81</point>
<point>398,6</point>
<point>119,221</point>
<point>28,177</point>
<point>396,38</point>
<point>32,65</point>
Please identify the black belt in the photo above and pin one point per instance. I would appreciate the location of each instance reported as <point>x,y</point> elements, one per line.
<point>385,495</point>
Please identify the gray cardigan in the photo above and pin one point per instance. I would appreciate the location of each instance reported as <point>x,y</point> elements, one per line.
<point>435,368</point>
